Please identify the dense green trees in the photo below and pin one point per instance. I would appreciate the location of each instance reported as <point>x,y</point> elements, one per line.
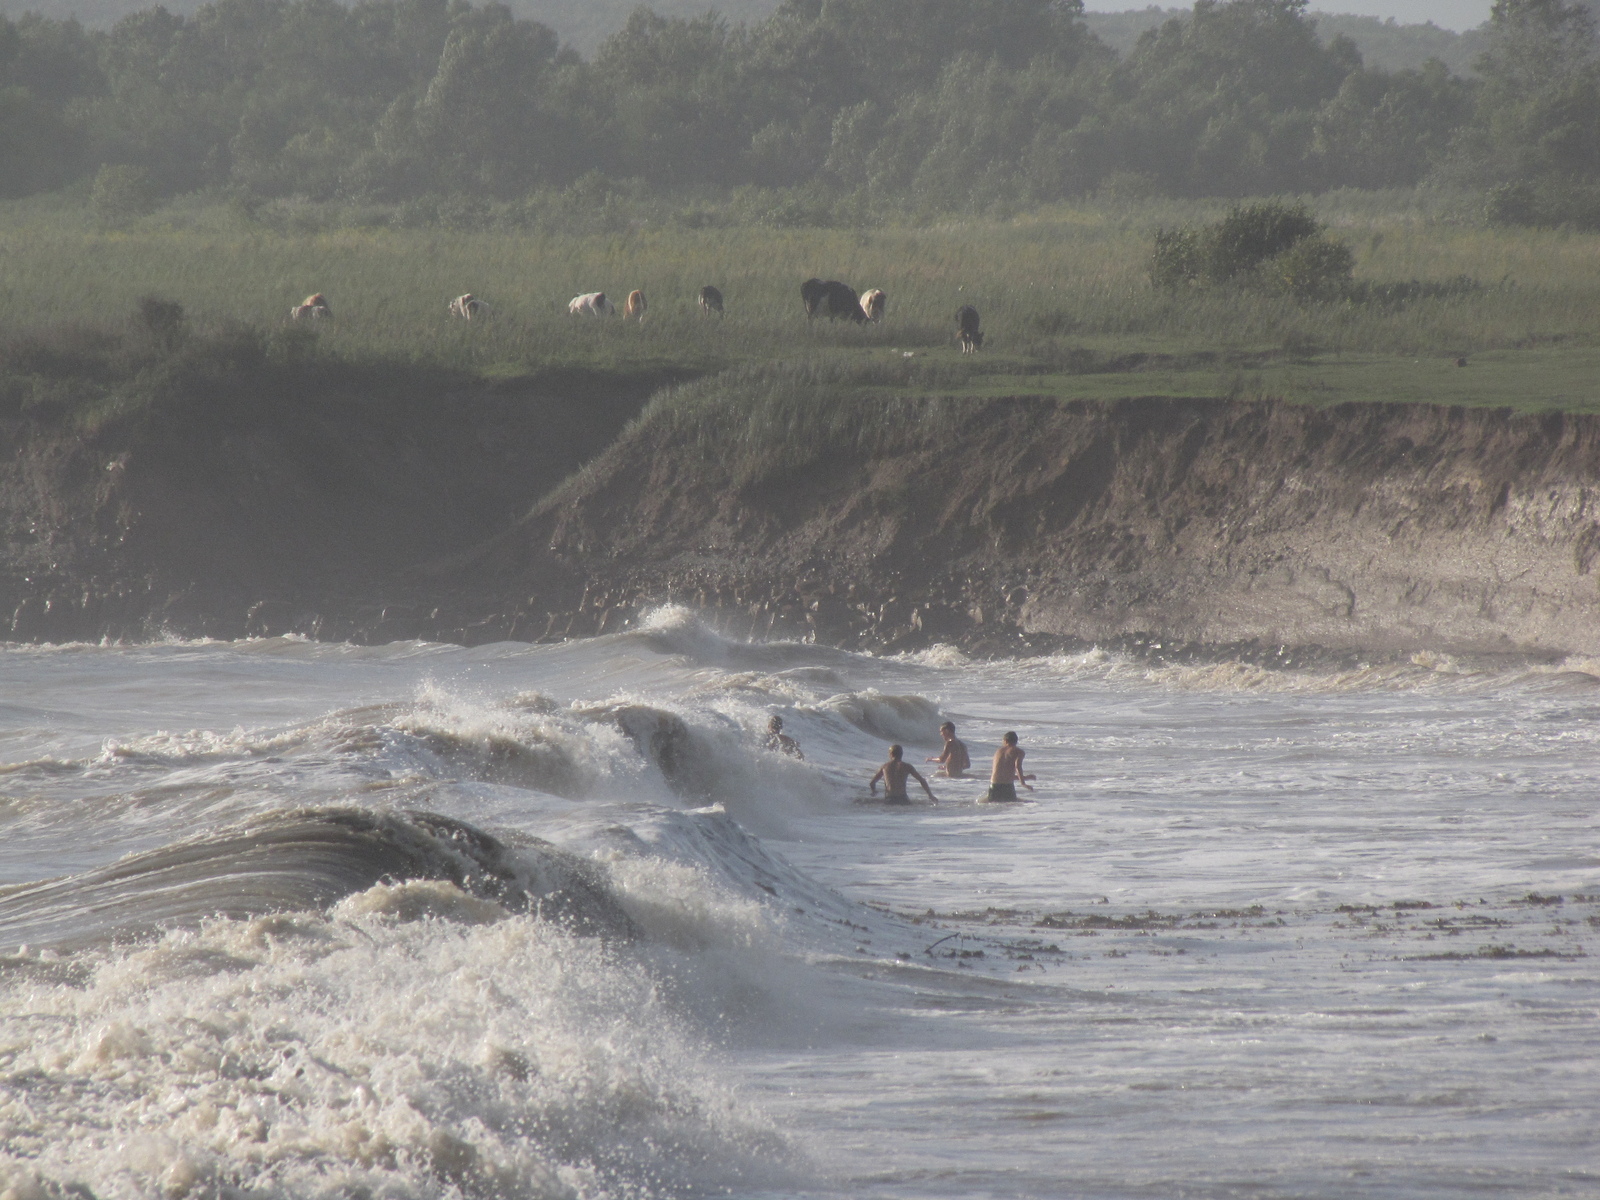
<point>937,104</point>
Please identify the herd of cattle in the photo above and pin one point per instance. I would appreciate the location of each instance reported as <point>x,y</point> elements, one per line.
<point>821,297</point>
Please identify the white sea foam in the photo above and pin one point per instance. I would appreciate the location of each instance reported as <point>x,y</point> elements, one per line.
<point>317,1056</point>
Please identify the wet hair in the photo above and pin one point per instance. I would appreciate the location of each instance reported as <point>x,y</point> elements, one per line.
<point>950,725</point>
<point>1011,737</point>
<point>775,723</point>
<point>896,751</point>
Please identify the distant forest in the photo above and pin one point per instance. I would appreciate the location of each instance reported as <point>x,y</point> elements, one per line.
<point>1387,45</point>
<point>584,24</point>
<point>917,105</point>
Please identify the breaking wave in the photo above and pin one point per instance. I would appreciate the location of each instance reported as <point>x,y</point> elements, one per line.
<point>304,860</point>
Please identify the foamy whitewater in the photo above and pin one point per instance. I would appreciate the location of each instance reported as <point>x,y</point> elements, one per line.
<point>287,919</point>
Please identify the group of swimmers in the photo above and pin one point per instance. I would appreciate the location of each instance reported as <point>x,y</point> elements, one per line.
<point>954,763</point>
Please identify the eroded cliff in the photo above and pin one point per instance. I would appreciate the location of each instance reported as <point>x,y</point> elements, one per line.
<point>1371,528</point>
<point>865,519</point>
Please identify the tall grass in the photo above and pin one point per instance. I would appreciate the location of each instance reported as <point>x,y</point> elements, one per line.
<point>1049,284</point>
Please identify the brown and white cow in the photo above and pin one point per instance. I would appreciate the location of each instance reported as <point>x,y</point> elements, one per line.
<point>314,306</point>
<point>467,307</point>
<point>592,304</point>
<point>874,302</point>
<point>635,306</point>
<point>967,331</point>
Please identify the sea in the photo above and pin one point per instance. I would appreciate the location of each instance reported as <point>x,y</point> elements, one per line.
<point>281,918</point>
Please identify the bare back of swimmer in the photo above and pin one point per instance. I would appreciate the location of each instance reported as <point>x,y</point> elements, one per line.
<point>1007,771</point>
<point>894,774</point>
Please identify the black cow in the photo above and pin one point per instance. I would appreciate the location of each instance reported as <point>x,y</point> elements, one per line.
<point>832,299</point>
<point>841,300</point>
<point>811,294</point>
<point>967,332</point>
<point>710,300</point>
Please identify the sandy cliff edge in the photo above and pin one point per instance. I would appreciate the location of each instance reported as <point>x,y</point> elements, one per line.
<point>1368,528</point>
<point>1002,525</point>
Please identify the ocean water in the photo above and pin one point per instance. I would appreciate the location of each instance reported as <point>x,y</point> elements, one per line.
<point>287,919</point>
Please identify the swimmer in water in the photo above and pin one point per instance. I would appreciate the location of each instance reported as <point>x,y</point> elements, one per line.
<point>954,760</point>
<point>1007,771</point>
<point>780,741</point>
<point>894,774</point>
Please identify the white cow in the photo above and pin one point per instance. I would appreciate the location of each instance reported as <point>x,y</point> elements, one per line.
<point>468,306</point>
<point>874,303</point>
<point>594,304</point>
<point>314,306</point>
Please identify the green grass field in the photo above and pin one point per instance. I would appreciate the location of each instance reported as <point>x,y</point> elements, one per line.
<point>1067,307</point>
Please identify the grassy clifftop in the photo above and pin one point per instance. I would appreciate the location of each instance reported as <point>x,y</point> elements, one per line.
<point>1065,295</point>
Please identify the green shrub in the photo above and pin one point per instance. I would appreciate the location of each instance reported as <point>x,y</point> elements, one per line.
<point>1251,234</point>
<point>121,194</point>
<point>162,321</point>
<point>1241,244</point>
<point>1548,203</point>
<point>1511,204</point>
<point>1315,268</point>
<point>1179,258</point>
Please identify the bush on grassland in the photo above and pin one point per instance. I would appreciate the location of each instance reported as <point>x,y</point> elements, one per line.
<point>1250,235</point>
<point>1315,268</point>
<point>1548,204</point>
<point>121,193</point>
<point>1264,244</point>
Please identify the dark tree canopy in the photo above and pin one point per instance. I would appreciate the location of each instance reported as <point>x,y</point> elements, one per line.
<point>932,104</point>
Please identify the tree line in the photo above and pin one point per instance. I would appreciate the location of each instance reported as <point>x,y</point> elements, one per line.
<point>930,105</point>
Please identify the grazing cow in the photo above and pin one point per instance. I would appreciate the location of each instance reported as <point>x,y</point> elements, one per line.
<point>710,300</point>
<point>967,331</point>
<point>594,304</point>
<point>833,298</point>
<point>314,306</point>
<point>841,301</point>
<point>635,306</point>
<point>811,293</point>
<point>873,304</point>
<point>467,307</point>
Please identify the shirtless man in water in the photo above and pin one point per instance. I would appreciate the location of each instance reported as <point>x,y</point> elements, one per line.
<point>1007,771</point>
<point>954,760</point>
<point>780,741</point>
<point>894,774</point>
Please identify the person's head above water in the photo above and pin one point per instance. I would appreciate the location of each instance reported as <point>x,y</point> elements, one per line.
<point>775,724</point>
<point>948,727</point>
<point>1011,737</point>
<point>896,751</point>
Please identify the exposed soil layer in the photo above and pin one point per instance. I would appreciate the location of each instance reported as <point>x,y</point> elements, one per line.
<point>1262,530</point>
<point>1266,529</point>
<point>304,512</point>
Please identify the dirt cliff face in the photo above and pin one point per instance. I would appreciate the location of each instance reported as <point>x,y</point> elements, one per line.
<point>303,512</point>
<point>1372,528</point>
<point>1004,525</point>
